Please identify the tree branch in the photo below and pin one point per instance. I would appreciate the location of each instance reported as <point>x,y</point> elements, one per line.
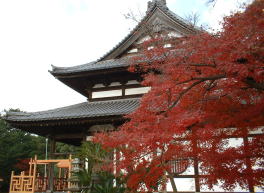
<point>200,80</point>
<point>218,76</point>
<point>204,65</point>
<point>183,93</point>
<point>253,84</point>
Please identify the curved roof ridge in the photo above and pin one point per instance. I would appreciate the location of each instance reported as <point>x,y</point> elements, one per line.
<point>42,112</point>
<point>103,63</point>
<point>58,68</point>
<point>128,35</point>
<point>152,5</point>
<point>181,19</point>
<point>92,66</point>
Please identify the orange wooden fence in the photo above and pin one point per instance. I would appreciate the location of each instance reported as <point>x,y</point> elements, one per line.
<point>31,181</point>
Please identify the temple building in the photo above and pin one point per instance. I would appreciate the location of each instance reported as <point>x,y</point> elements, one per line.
<point>111,90</point>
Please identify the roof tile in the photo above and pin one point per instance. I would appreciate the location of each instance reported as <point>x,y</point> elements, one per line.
<point>101,63</point>
<point>82,110</point>
<point>92,66</point>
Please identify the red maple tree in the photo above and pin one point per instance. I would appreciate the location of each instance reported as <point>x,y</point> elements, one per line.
<point>205,89</point>
<point>22,164</point>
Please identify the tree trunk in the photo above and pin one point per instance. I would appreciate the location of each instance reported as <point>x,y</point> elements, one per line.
<point>173,185</point>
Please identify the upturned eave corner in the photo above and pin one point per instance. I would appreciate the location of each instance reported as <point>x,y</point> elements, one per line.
<point>156,8</point>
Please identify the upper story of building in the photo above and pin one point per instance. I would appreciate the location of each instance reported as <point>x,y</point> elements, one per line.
<point>112,91</point>
<point>108,77</point>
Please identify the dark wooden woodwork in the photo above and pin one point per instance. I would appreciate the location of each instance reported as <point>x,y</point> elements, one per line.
<point>52,146</point>
<point>83,82</point>
<point>69,136</point>
<point>122,86</point>
<point>51,165</point>
<point>70,131</point>
<point>116,97</point>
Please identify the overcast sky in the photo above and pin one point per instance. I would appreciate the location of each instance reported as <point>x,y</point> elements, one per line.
<point>37,33</point>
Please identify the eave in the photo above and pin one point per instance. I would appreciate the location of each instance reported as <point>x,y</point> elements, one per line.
<point>72,123</point>
<point>111,59</point>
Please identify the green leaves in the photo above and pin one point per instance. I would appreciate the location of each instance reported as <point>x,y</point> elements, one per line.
<point>93,179</point>
<point>16,145</point>
<point>85,178</point>
<point>92,152</point>
<point>106,184</point>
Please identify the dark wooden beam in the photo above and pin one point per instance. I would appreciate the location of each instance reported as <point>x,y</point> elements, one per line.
<point>30,126</point>
<point>108,88</point>
<point>117,97</point>
<point>69,136</point>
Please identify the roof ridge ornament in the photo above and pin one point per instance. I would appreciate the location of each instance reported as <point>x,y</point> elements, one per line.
<point>152,3</point>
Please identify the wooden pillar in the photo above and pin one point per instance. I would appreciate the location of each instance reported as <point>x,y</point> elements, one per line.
<point>11,182</point>
<point>52,147</point>
<point>69,172</point>
<point>123,86</point>
<point>196,174</point>
<point>51,165</point>
<point>90,96</point>
<point>34,173</point>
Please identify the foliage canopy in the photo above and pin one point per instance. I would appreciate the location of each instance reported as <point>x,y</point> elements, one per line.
<point>207,88</point>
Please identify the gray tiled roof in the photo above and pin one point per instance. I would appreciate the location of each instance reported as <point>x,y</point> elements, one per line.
<point>123,62</point>
<point>82,110</point>
<point>92,66</point>
<point>152,6</point>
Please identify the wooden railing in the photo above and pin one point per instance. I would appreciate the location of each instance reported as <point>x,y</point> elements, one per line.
<point>31,182</point>
<point>41,184</point>
<point>60,184</point>
<point>22,183</point>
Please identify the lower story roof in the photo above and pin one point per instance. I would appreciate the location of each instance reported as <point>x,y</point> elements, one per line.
<point>81,110</point>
